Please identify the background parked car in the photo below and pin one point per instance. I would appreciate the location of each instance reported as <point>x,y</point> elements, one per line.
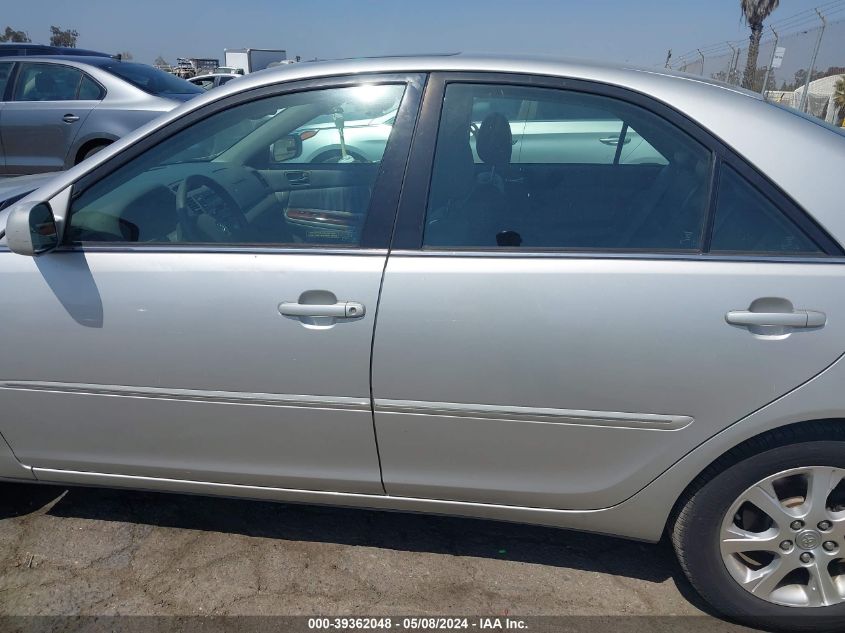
<point>43,49</point>
<point>14,189</point>
<point>536,138</point>
<point>213,80</point>
<point>56,111</point>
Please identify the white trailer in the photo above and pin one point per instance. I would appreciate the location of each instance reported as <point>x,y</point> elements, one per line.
<point>251,59</point>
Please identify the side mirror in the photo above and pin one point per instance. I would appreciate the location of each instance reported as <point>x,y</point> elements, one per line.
<point>31,229</point>
<point>287,147</point>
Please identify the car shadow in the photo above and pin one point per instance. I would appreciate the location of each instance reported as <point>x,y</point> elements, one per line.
<point>69,277</point>
<point>355,527</point>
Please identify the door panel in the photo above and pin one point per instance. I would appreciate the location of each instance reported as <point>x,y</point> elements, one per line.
<point>37,138</point>
<point>536,381</point>
<point>43,118</point>
<point>180,365</point>
<point>323,200</point>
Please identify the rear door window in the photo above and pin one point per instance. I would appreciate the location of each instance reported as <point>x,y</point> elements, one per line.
<point>520,166</point>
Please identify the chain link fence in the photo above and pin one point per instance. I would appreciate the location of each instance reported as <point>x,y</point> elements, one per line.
<point>801,62</point>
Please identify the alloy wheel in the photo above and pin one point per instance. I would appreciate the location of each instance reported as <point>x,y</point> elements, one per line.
<point>783,539</point>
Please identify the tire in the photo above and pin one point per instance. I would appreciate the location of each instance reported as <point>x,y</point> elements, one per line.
<point>697,533</point>
<point>91,151</point>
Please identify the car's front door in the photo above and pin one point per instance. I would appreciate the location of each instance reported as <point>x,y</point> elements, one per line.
<point>50,102</point>
<point>194,332</point>
<point>560,333</point>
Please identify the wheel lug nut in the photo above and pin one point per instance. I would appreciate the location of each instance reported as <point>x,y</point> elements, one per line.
<point>806,557</point>
<point>796,525</point>
<point>829,546</point>
<point>824,526</point>
<point>786,545</point>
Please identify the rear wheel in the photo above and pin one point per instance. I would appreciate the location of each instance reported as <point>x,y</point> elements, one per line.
<point>88,153</point>
<point>763,541</point>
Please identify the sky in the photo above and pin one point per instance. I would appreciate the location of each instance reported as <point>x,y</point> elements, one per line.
<point>626,31</point>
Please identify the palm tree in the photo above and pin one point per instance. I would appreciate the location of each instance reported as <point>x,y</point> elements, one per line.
<point>839,98</point>
<point>755,13</point>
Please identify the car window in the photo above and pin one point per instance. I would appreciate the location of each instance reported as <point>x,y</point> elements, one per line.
<point>150,80</point>
<point>746,221</point>
<point>222,180</point>
<point>223,80</point>
<point>205,84</point>
<point>5,72</point>
<point>90,89</point>
<point>47,82</point>
<point>537,126</point>
<point>535,167</point>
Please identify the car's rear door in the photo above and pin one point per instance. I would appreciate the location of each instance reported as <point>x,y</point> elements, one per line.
<point>556,335</point>
<point>178,354</point>
<point>50,102</point>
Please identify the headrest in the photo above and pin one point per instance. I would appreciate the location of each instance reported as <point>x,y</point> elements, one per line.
<point>493,142</point>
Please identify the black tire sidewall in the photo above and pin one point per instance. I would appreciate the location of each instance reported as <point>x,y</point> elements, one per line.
<point>701,544</point>
<point>93,150</point>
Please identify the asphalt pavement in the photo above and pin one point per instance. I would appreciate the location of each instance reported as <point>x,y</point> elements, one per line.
<point>90,551</point>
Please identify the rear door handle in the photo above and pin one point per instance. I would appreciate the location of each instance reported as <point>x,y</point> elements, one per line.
<point>339,310</point>
<point>70,118</point>
<point>796,319</point>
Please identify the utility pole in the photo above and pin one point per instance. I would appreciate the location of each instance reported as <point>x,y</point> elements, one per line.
<point>771,62</point>
<point>734,60</point>
<point>668,57</point>
<point>702,62</point>
<point>812,63</point>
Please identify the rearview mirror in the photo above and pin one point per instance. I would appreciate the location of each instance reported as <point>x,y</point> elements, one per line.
<point>287,147</point>
<point>31,229</point>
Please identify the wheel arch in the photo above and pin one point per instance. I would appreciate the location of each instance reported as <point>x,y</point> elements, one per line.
<point>812,430</point>
<point>90,144</point>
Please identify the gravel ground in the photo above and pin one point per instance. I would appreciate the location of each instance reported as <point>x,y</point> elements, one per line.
<point>88,551</point>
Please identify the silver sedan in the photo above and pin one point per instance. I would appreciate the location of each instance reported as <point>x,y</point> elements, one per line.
<point>56,111</point>
<point>587,337</point>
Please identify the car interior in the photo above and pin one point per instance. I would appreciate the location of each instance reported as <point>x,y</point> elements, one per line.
<point>40,82</point>
<point>581,203</point>
<point>239,177</point>
<point>236,177</point>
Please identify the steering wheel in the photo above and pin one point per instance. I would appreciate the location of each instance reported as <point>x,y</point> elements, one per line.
<point>225,224</point>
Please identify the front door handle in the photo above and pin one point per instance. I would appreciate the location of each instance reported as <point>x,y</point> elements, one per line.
<point>70,118</point>
<point>298,177</point>
<point>796,319</point>
<point>339,310</point>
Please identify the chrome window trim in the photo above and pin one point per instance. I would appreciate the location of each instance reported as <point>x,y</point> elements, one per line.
<point>218,249</point>
<point>283,250</point>
<point>690,257</point>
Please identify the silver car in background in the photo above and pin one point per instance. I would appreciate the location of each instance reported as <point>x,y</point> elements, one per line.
<point>16,188</point>
<point>213,80</point>
<point>55,111</point>
<point>635,344</point>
